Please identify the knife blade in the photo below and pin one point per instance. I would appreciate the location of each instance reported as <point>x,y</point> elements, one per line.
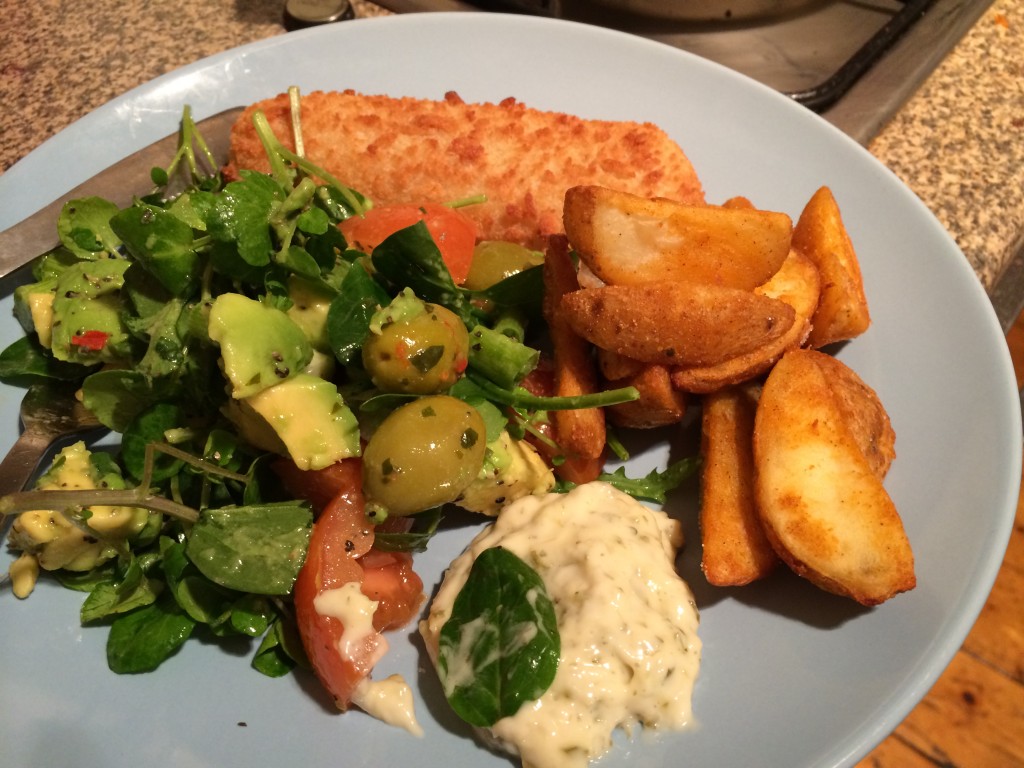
<point>119,183</point>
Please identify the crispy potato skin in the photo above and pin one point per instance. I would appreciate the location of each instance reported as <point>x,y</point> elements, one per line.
<point>822,503</point>
<point>673,324</point>
<point>797,284</point>
<point>407,150</point>
<point>863,414</point>
<point>659,404</point>
<point>735,549</point>
<point>820,234</point>
<point>625,239</point>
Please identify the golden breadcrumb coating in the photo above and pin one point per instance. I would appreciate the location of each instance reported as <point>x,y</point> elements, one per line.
<point>408,150</point>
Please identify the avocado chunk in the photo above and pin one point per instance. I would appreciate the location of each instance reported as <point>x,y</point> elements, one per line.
<point>55,542</point>
<point>310,305</point>
<point>260,346</point>
<point>310,419</point>
<point>86,325</point>
<point>512,469</point>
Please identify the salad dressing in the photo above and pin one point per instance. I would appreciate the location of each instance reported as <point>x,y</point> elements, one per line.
<point>628,623</point>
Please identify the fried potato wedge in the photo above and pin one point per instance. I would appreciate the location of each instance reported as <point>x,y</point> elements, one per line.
<point>863,414</point>
<point>626,240</point>
<point>822,505</point>
<point>673,323</point>
<point>581,431</point>
<point>735,548</point>
<point>820,234</point>
<point>796,283</point>
<point>615,367</point>
<point>659,403</point>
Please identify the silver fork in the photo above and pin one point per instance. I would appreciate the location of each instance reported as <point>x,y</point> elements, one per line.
<point>50,413</point>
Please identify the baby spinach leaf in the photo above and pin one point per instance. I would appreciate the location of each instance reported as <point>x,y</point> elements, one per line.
<point>500,647</point>
<point>117,396</point>
<point>84,228</point>
<point>280,650</point>
<point>257,549</point>
<point>251,615</point>
<point>161,243</point>
<point>111,597</point>
<point>26,360</point>
<point>348,319</point>
<point>149,427</point>
<point>410,258</point>
<point>142,640</point>
<point>241,214</point>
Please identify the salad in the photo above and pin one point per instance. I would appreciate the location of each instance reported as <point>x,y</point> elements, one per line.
<point>303,384</point>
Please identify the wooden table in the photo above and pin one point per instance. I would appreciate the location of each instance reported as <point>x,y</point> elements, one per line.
<point>973,717</point>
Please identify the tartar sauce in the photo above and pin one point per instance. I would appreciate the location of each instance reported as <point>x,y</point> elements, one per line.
<point>389,700</point>
<point>627,621</point>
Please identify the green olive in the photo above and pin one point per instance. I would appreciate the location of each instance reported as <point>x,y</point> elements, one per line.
<point>419,353</point>
<point>494,260</point>
<point>424,454</point>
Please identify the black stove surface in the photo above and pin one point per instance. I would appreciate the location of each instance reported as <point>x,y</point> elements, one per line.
<point>854,61</point>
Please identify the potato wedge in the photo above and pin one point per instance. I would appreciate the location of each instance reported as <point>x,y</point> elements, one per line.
<point>628,240</point>
<point>581,432</point>
<point>615,367</point>
<point>735,548</point>
<point>796,283</point>
<point>863,414</point>
<point>820,234</point>
<point>670,324</point>
<point>659,403</point>
<point>823,507</point>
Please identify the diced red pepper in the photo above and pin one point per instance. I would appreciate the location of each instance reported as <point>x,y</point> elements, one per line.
<point>94,341</point>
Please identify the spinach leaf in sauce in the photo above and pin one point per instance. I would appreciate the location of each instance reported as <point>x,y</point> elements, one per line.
<point>500,647</point>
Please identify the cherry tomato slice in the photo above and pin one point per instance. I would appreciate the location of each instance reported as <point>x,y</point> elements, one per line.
<point>454,233</point>
<point>340,553</point>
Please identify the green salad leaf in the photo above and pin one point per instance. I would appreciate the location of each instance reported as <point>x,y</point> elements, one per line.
<point>500,647</point>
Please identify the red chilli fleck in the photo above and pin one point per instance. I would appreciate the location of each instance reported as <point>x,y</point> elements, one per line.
<point>91,340</point>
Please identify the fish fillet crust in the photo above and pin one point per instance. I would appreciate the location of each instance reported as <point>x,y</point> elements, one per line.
<point>411,150</point>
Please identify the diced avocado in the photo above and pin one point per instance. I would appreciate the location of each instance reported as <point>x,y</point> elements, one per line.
<point>86,322</point>
<point>310,305</point>
<point>310,419</point>
<point>512,469</point>
<point>33,306</point>
<point>55,542</point>
<point>259,345</point>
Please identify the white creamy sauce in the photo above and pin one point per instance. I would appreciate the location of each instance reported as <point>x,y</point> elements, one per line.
<point>389,700</point>
<point>627,621</point>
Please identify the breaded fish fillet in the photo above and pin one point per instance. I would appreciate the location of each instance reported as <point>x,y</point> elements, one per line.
<point>408,150</point>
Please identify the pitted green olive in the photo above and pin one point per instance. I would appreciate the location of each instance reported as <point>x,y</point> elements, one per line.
<point>417,352</point>
<point>494,260</point>
<point>423,455</point>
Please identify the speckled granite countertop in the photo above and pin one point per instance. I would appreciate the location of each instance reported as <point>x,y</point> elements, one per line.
<point>958,143</point>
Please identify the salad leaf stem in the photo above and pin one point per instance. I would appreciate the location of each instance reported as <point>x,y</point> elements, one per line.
<point>73,503</point>
<point>520,398</point>
<point>279,155</point>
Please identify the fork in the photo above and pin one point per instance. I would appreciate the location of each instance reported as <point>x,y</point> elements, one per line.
<point>50,413</point>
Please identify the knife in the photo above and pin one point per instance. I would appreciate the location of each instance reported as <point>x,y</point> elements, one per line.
<point>119,183</point>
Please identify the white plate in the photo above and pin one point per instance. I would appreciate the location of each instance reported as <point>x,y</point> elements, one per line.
<point>791,676</point>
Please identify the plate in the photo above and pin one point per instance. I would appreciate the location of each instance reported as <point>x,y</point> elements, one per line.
<point>791,676</point>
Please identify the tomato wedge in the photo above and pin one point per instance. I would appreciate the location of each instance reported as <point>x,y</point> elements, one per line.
<point>454,233</point>
<point>340,552</point>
